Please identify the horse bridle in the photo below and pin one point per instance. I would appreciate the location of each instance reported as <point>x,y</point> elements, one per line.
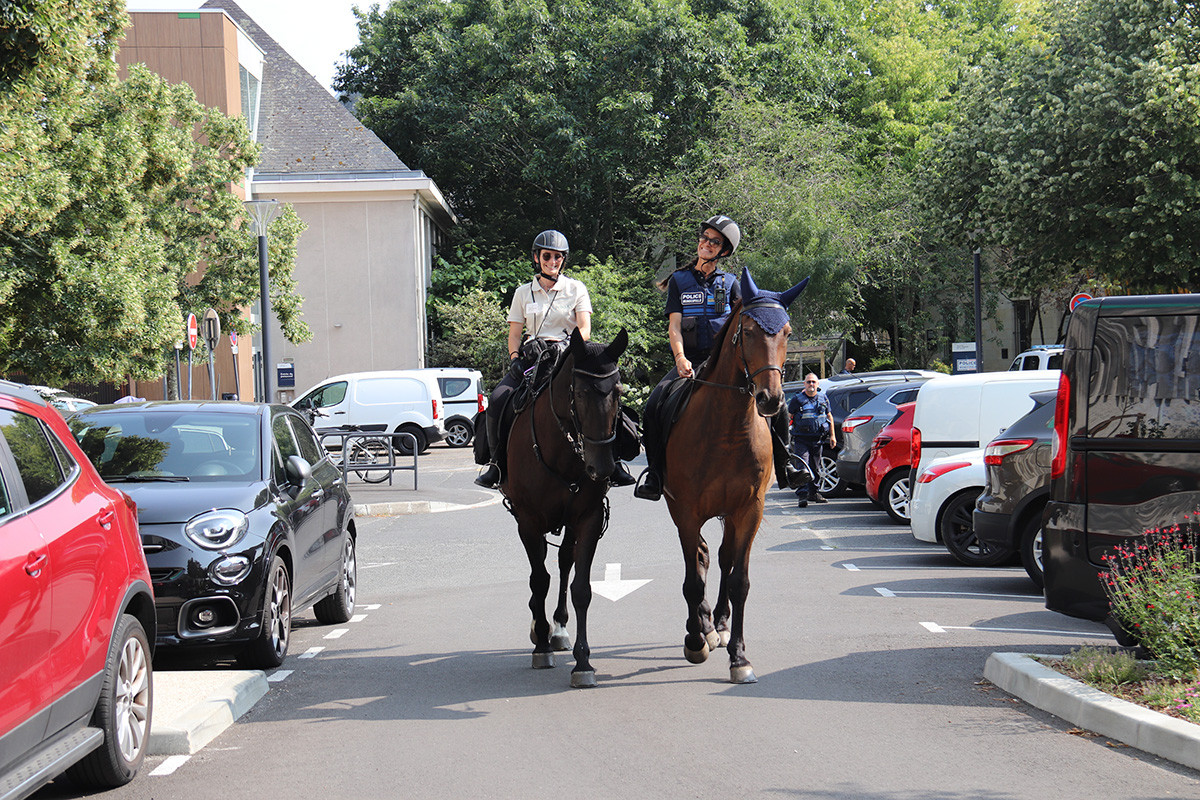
<point>740,342</point>
<point>575,437</point>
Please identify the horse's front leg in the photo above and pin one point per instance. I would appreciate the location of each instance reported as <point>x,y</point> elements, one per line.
<point>560,639</point>
<point>588,530</point>
<point>539,587</point>
<point>739,536</point>
<point>695,567</point>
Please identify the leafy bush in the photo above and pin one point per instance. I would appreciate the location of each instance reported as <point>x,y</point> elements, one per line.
<point>1104,668</point>
<point>1152,588</point>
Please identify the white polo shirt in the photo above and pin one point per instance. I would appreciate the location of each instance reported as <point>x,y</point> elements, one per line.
<point>550,315</point>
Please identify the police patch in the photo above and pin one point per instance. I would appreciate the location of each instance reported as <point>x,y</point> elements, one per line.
<point>692,298</point>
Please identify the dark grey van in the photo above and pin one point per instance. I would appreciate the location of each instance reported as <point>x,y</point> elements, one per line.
<point>1126,454</point>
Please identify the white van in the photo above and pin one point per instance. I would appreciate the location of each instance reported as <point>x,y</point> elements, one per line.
<point>392,400</point>
<point>462,398</point>
<point>956,413</point>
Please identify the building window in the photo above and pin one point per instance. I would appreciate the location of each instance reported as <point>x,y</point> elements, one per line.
<point>250,86</point>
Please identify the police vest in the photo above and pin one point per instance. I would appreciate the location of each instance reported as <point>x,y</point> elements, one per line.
<point>705,306</point>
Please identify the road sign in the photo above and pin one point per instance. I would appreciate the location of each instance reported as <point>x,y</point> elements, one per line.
<point>193,331</point>
<point>233,342</point>
<point>1077,299</point>
<point>212,328</point>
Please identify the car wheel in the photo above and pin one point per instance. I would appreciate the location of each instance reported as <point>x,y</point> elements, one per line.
<point>122,712</point>
<point>403,444</point>
<point>459,433</point>
<point>957,529</point>
<point>270,648</point>
<point>829,483</point>
<point>339,606</point>
<point>894,491</point>
<point>1031,549</point>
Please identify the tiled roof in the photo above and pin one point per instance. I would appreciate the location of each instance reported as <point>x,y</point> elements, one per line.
<point>302,128</point>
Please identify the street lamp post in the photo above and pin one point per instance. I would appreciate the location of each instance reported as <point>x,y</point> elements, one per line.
<point>262,212</point>
<point>978,316</point>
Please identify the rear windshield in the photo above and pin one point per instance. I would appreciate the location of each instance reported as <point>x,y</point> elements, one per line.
<point>1145,378</point>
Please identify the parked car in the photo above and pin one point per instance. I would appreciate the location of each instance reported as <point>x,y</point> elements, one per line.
<point>846,392</point>
<point>244,520</point>
<point>956,413</point>
<point>865,422</point>
<point>392,400</point>
<point>1040,356</point>
<point>943,501</point>
<point>1126,452</point>
<point>76,690</point>
<point>462,398</point>
<point>888,468</point>
<point>1016,486</point>
<point>62,400</point>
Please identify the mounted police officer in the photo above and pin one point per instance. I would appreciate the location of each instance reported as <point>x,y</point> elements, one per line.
<point>699,299</point>
<point>542,315</point>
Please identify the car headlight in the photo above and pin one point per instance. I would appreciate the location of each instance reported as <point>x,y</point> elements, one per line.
<point>217,529</point>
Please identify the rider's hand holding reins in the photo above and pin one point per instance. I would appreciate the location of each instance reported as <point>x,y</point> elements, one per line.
<point>683,365</point>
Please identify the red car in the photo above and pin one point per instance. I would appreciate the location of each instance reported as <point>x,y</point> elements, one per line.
<point>75,674</point>
<point>888,465</point>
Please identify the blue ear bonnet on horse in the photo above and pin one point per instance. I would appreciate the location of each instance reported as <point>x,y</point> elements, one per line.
<point>768,309</point>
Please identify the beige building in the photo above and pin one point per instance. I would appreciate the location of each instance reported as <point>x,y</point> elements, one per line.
<point>364,263</point>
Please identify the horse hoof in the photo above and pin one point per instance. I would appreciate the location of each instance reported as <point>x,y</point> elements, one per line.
<point>724,638</point>
<point>543,660</point>
<point>696,656</point>
<point>584,679</point>
<point>714,640</point>
<point>560,640</point>
<point>742,674</point>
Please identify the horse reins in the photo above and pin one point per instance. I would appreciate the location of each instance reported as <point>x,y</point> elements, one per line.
<point>740,342</point>
<point>576,438</point>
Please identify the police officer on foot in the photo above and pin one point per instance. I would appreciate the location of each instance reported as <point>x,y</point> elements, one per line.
<point>543,314</point>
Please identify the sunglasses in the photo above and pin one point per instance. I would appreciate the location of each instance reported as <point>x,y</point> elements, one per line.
<point>716,241</point>
<point>550,255</point>
<point>811,383</point>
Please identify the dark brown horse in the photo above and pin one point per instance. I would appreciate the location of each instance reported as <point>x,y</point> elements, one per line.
<point>560,455</point>
<point>718,464</point>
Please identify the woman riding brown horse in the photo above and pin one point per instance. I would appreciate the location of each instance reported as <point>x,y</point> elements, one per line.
<point>719,464</point>
<point>560,457</point>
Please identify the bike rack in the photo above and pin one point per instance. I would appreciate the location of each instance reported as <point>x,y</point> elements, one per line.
<point>391,466</point>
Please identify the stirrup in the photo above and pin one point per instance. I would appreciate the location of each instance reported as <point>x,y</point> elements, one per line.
<point>649,485</point>
<point>489,478</point>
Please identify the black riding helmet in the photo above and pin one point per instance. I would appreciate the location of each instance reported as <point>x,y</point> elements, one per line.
<point>551,240</point>
<point>727,228</point>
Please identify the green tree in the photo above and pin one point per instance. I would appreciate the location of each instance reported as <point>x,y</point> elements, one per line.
<point>1080,156</point>
<point>129,196</point>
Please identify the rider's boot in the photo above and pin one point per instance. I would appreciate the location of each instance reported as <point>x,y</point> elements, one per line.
<point>650,487</point>
<point>490,477</point>
<point>791,472</point>
<point>620,476</point>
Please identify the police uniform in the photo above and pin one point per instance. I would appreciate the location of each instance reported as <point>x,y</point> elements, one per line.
<point>703,301</point>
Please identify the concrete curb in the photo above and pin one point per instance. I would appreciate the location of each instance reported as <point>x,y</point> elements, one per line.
<point>401,508</point>
<point>191,708</point>
<point>1040,686</point>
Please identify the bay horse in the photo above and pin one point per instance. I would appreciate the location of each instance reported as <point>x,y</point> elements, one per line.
<point>718,464</point>
<point>560,456</point>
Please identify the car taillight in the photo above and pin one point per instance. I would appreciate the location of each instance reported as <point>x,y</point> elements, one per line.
<point>930,473</point>
<point>1058,450</point>
<point>880,442</point>
<point>435,408</point>
<point>853,422</point>
<point>914,448</point>
<point>479,397</point>
<point>995,452</point>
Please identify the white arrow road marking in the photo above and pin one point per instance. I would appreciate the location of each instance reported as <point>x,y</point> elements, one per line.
<point>612,586</point>
<point>933,627</point>
<point>170,764</point>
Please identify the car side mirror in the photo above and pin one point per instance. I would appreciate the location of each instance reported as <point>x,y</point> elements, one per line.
<point>298,471</point>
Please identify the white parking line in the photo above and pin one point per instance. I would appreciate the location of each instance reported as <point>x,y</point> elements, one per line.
<point>279,675</point>
<point>358,617</point>
<point>370,607</point>
<point>337,633</point>
<point>384,564</point>
<point>933,627</point>
<point>895,592</point>
<point>169,765</point>
<point>310,652</point>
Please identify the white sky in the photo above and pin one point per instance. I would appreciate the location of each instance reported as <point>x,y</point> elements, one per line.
<point>314,32</point>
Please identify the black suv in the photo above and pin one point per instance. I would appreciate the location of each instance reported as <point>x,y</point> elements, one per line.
<point>1016,486</point>
<point>1126,454</point>
<point>846,392</point>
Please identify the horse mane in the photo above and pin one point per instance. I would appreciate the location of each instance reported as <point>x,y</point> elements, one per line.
<point>719,338</point>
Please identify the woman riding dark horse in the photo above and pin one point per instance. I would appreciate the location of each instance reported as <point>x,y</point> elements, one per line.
<point>561,454</point>
<point>718,463</point>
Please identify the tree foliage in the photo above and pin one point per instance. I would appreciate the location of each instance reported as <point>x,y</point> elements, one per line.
<point>114,194</point>
<point>1081,156</point>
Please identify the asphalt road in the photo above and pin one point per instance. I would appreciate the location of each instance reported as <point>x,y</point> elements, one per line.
<point>869,647</point>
